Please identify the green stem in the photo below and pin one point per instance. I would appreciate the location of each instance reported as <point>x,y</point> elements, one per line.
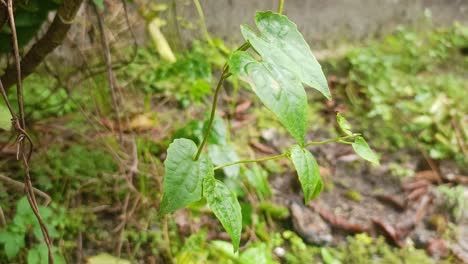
<point>252,160</point>
<point>280,7</point>
<point>338,139</point>
<point>224,75</point>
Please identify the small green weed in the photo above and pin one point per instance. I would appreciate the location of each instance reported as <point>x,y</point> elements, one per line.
<point>14,235</point>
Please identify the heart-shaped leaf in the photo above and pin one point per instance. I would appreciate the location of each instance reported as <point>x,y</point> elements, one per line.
<point>287,63</point>
<point>308,172</point>
<point>278,89</point>
<point>225,206</point>
<point>281,44</point>
<point>183,179</point>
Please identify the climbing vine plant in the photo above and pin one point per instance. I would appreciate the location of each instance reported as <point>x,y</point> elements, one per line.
<point>286,64</point>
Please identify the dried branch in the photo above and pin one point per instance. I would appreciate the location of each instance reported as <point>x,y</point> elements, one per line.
<point>19,186</point>
<point>46,44</point>
<point>110,72</point>
<point>23,138</point>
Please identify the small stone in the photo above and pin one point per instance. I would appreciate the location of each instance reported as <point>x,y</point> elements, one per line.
<point>310,226</point>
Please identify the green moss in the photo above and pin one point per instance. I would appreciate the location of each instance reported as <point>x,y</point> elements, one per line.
<point>353,195</point>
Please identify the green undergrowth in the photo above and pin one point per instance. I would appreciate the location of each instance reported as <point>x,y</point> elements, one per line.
<point>409,90</point>
<point>188,80</point>
<point>287,247</point>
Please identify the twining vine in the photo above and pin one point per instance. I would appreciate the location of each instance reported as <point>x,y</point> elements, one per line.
<point>278,80</point>
<point>23,141</point>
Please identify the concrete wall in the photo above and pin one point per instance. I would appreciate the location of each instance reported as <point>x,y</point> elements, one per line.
<point>323,20</point>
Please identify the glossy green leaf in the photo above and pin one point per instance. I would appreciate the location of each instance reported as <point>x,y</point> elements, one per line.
<point>361,148</point>
<point>286,64</point>
<point>223,154</point>
<point>183,178</point>
<point>278,89</point>
<point>308,172</point>
<point>281,44</point>
<point>225,206</point>
<point>343,124</point>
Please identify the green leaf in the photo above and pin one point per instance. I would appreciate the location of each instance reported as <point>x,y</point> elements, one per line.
<point>307,171</point>
<point>343,124</point>
<point>287,63</point>
<point>99,4</point>
<point>364,151</point>
<point>5,118</point>
<point>223,154</point>
<point>183,178</point>
<point>258,178</point>
<point>218,132</point>
<point>12,243</point>
<point>281,44</point>
<point>278,89</point>
<point>327,257</point>
<point>23,207</point>
<point>257,253</point>
<point>225,206</point>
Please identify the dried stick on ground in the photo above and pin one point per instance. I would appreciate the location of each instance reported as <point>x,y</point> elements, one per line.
<point>19,186</point>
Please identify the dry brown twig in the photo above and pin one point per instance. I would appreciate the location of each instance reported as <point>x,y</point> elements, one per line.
<point>18,122</point>
<point>110,73</point>
<point>20,186</point>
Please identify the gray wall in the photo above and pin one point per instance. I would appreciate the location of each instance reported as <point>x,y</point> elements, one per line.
<point>322,21</point>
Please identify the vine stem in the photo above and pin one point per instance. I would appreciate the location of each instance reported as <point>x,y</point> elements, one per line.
<point>280,6</point>
<point>285,154</point>
<point>23,136</point>
<point>224,75</point>
<point>338,139</point>
<point>252,160</point>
